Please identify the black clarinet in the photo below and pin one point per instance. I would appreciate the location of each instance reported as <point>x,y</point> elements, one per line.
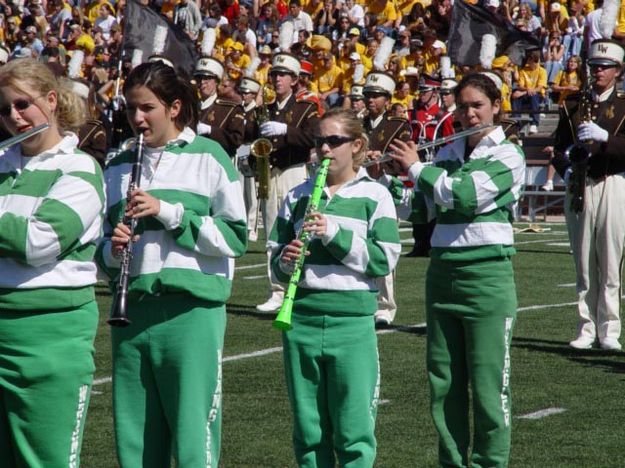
<point>119,312</point>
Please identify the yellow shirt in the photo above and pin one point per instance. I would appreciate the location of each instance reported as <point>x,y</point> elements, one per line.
<point>564,78</point>
<point>620,22</point>
<point>537,78</point>
<point>262,74</point>
<point>328,79</point>
<point>404,6</point>
<point>241,63</point>
<point>506,104</point>
<point>431,62</point>
<point>385,12</point>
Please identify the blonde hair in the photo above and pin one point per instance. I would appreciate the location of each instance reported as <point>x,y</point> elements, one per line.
<point>18,74</point>
<point>353,128</point>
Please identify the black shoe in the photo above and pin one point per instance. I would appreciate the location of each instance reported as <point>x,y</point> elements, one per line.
<point>418,252</point>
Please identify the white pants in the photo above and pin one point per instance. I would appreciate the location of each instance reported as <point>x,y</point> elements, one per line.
<point>597,239</point>
<point>280,184</point>
<point>248,185</point>
<point>386,297</point>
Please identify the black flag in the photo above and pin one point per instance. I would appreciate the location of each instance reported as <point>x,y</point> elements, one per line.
<point>469,23</point>
<point>140,23</point>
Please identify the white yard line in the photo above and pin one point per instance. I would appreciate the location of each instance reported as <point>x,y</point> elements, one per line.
<point>542,413</point>
<point>255,277</point>
<point>541,241</point>
<point>545,306</point>
<point>566,285</point>
<point>250,267</point>
<point>264,352</point>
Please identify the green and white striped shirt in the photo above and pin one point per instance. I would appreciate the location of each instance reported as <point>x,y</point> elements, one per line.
<point>190,246</point>
<point>361,243</point>
<point>51,210</point>
<point>474,199</point>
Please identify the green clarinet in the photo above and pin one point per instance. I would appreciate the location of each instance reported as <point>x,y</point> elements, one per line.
<point>283,320</point>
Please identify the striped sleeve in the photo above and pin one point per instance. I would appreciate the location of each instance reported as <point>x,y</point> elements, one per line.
<point>282,233</point>
<point>67,217</point>
<point>481,186</point>
<point>224,232</point>
<point>377,253</point>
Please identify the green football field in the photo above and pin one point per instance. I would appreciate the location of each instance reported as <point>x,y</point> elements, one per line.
<point>568,405</point>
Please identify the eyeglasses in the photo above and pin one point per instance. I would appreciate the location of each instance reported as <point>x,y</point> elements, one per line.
<point>20,105</point>
<point>332,140</point>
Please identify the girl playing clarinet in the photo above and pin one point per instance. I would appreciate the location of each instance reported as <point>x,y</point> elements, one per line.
<point>167,363</point>
<point>330,355</point>
<point>51,210</point>
<point>470,290</point>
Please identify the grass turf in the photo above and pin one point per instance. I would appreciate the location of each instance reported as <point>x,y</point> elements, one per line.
<point>546,373</point>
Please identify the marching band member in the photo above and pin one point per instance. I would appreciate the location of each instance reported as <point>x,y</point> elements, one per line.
<point>382,130</point>
<point>303,85</point>
<point>220,120</point>
<point>167,381</point>
<point>330,354</point>
<point>93,134</point>
<point>598,231</point>
<point>470,290</point>
<point>51,210</point>
<point>291,133</point>
<point>249,89</point>
<point>357,101</point>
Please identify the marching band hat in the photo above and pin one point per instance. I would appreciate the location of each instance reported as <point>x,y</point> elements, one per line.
<point>208,66</point>
<point>306,67</point>
<point>428,83</point>
<point>286,63</point>
<point>80,87</point>
<point>606,52</point>
<point>4,55</point>
<point>356,92</point>
<point>379,82</point>
<point>354,56</point>
<point>411,71</point>
<point>249,85</point>
<point>448,85</point>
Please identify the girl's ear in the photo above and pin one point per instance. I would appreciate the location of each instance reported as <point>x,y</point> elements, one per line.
<point>174,109</point>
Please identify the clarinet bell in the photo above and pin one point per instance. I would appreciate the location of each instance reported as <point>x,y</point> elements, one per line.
<point>119,315</point>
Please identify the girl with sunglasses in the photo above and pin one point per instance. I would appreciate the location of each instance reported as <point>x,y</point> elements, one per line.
<point>51,207</point>
<point>474,183</point>
<point>191,224</point>
<point>330,354</point>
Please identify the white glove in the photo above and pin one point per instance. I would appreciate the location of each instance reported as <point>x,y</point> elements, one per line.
<point>591,131</point>
<point>271,128</point>
<point>203,129</point>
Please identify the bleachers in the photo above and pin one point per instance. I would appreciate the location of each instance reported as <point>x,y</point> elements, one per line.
<point>534,200</point>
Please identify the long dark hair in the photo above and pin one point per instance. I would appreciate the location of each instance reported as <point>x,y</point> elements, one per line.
<point>167,86</point>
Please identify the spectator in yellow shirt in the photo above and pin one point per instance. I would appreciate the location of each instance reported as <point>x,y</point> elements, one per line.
<point>236,61</point>
<point>530,90</point>
<point>329,81</point>
<point>568,81</point>
<point>385,12</point>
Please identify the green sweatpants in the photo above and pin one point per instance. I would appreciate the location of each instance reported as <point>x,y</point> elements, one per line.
<point>333,381</point>
<point>167,383</point>
<point>471,310</point>
<point>46,370</point>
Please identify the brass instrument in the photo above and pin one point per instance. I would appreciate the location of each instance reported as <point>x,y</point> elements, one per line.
<point>262,147</point>
<point>386,157</point>
<point>579,153</point>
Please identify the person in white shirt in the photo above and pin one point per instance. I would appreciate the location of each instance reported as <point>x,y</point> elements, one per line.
<point>299,18</point>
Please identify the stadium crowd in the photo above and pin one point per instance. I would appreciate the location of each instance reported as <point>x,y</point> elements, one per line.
<point>339,38</point>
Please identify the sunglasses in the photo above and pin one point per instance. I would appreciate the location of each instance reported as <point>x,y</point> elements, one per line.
<point>20,105</point>
<point>332,141</point>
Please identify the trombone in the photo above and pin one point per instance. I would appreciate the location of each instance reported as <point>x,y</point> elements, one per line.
<point>386,157</point>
